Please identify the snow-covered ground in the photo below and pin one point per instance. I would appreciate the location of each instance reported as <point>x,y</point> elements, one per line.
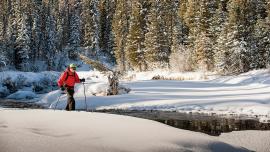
<point>47,130</point>
<point>246,94</point>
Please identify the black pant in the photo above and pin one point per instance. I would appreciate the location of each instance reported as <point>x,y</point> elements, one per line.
<point>70,101</point>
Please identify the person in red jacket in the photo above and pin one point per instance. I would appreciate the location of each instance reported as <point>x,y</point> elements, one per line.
<point>66,83</point>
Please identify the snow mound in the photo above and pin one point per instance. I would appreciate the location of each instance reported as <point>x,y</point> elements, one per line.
<point>22,95</point>
<point>251,77</point>
<point>97,132</point>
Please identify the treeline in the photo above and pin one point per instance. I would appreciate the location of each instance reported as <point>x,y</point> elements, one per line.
<point>228,36</point>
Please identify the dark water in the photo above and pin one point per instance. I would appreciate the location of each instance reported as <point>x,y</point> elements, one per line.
<point>212,125</point>
<point>9,103</point>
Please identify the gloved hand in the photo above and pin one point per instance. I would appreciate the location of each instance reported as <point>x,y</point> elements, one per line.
<point>62,88</point>
<point>82,80</point>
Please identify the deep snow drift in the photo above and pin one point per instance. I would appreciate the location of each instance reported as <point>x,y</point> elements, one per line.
<point>47,130</point>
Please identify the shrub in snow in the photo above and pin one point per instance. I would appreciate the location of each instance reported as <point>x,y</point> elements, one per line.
<point>159,77</point>
<point>10,85</point>
<point>18,83</point>
<point>123,90</point>
<point>37,87</point>
<point>21,81</point>
<point>22,95</point>
<point>3,91</point>
<point>46,84</point>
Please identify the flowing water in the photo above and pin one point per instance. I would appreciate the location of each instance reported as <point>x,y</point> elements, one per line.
<point>209,124</point>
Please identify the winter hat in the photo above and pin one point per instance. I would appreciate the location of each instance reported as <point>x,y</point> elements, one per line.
<point>73,66</point>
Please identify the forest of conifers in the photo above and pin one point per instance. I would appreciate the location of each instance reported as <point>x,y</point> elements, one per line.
<point>226,36</point>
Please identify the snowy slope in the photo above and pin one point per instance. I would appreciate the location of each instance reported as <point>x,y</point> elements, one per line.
<point>46,130</point>
<point>258,141</point>
<point>246,94</point>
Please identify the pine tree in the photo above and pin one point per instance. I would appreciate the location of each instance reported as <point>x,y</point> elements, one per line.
<point>219,19</point>
<point>156,39</point>
<point>51,41</point>
<point>237,38</point>
<point>23,43</point>
<point>37,33</point>
<point>261,47</point>
<point>135,46</point>
<point>107,9</point>
<point>204,52</point>
<point>120,31</point>
<point>3,57</point>
<point>203,43</point>
<point>12,29</point>
<point>91,16</point>
<point>191,19</point>
<point>75,26</point>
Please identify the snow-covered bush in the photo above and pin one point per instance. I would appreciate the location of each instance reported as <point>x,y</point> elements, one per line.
<point>37,82</point>
<point>21,81</point>
<point>181,61</point>
<point>10,85</point>
<point>160,77</point>
<point>46,84</point>
<point>3,91</point>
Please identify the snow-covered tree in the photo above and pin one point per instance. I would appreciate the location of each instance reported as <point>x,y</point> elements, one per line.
<point>37,33</point>
<point>91,17</point>
<point>261,40</point>
<point>23,43</point>
<point>156,39</point>
<point>75,27</point>
<point>204,52</point>
<point>120,32</point>
<point>51,41</point>
<point>135,47</point>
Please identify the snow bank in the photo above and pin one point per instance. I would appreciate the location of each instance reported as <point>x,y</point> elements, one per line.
<point>22,95</point>
<point>46,130</point>
<point>253,140</point>
<point>251,77</point>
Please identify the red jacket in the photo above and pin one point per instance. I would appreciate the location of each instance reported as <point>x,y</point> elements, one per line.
<point>68,79</point>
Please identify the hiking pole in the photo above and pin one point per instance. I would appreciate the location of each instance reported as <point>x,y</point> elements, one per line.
<point>84,96</point>
<point>57,101</point>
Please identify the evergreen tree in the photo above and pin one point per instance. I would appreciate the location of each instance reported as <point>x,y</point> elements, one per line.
<point>120,32</point>
<point>75,26</point>
<point>91,16</point>
<point>204,52</point>
<point>107,9</point>
<point>12,29</point>
<point>23,43</point>
<point>135,46</point>
<point>156,39</point>
<point>191,19</point>
<point>203,43</point>
<point>37,33</point>
<point>51,41</point>
<point>261,47</point>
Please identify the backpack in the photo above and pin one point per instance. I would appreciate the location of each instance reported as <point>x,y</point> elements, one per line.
<point>68,75</point>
